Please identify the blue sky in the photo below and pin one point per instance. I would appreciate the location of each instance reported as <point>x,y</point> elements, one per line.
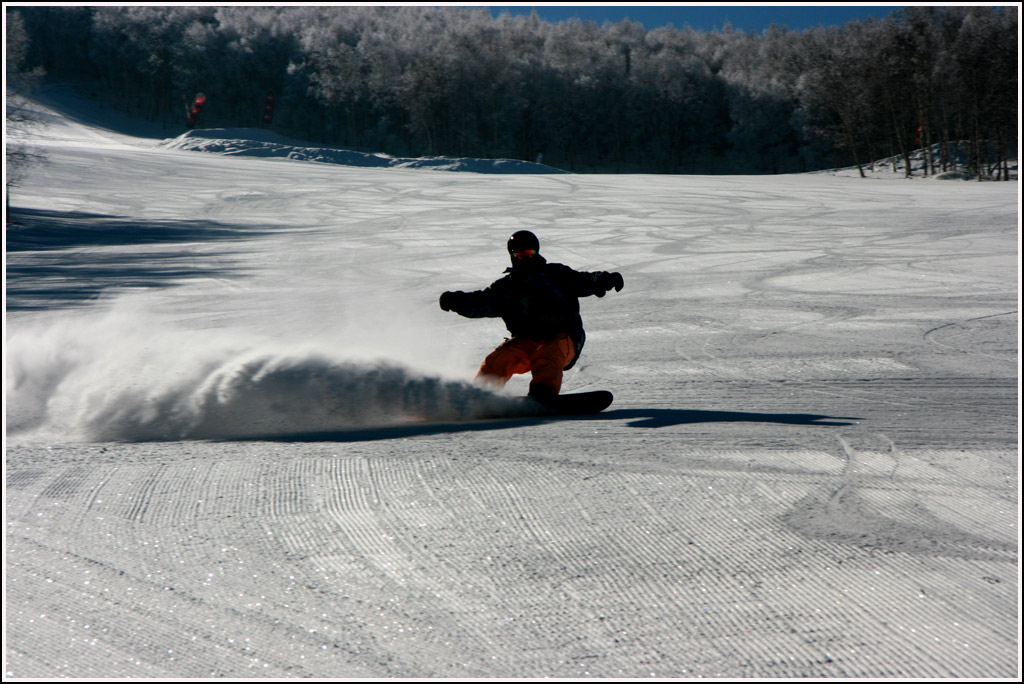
<point>742,16</point>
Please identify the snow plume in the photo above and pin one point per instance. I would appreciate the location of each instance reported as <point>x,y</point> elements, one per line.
<point>114,378</point>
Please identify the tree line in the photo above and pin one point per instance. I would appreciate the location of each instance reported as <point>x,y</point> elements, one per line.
<point>450,81</point>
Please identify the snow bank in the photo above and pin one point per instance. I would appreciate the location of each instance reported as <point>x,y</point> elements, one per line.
<point>254,142</point>
<point>116,378</point>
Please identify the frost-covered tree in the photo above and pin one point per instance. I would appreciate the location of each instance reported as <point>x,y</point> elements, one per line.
<point>835,92</point>
<point>455,81</point>
<point>20,119</point>
<point>984,67</point>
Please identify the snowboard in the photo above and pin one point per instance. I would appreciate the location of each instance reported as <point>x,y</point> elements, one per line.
<point>575,404</point>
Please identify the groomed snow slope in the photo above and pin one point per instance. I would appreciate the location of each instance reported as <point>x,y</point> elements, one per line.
<point>240,437</point>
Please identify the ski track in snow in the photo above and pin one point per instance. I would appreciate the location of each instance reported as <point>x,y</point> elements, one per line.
<point>243,441</point>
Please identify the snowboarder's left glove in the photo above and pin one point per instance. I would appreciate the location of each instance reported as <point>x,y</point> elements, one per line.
<point>610,281</point>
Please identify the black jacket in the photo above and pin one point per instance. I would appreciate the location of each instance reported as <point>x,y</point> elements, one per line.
<point>536,300</point>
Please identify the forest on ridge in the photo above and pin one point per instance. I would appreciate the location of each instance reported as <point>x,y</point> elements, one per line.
<point>449,81</point>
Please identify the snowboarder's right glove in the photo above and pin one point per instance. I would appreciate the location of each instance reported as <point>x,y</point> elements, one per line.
<point>448,300</point>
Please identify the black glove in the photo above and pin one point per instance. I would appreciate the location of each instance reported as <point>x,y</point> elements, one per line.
<point>447,300</point>
<point>610,281</point>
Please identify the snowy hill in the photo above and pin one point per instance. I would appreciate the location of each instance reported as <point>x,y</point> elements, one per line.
<point>243,440</point>
<point>261,143</point>
<point>921,160</point>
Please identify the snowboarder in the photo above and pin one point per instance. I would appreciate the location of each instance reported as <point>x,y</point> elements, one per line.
<point>539,303</point>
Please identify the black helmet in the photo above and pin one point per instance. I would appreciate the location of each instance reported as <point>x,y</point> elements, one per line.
<point>521,241</point>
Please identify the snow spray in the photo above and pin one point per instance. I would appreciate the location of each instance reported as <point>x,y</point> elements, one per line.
<point>119,376</point>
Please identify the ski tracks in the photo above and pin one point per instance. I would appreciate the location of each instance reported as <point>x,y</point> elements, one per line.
<point>488,560</point>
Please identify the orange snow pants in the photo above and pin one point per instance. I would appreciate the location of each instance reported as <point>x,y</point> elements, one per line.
<point>545,359</point>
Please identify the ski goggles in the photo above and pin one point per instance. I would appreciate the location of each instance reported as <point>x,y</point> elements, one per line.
<point>525,253</point>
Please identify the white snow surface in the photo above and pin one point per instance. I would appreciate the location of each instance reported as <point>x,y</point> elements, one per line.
<point>242,439</point>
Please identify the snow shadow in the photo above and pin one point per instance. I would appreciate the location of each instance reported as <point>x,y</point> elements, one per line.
<point>641,418</point>
<point>38,229</point>
<point>659,418</point>
<point>55,283</point>
<point>40,275</point>
<point>391,432</point>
